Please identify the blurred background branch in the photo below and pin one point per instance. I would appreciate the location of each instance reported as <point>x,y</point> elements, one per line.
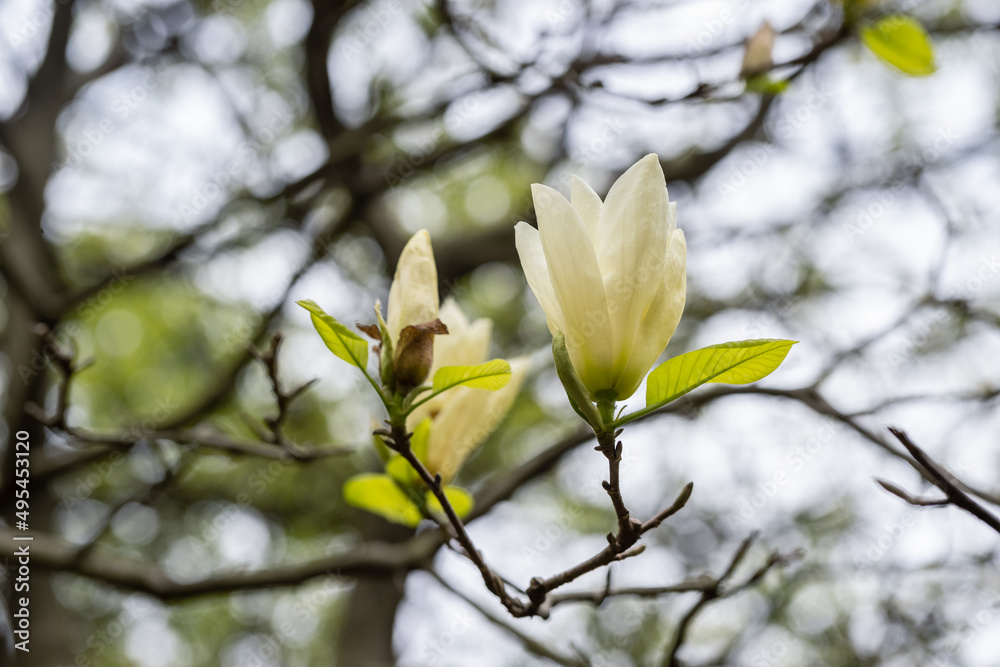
<point>173,175</point>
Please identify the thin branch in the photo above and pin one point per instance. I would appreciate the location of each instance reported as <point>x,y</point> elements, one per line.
<point>399,441</point>
<point>718,591</point>
<point>530,644</point>
<point>936,474</point>
<point>202,437</point>
<point>269,359</point>
<point>597,598</point>
<point>144,495</point>
<point>368,558</point>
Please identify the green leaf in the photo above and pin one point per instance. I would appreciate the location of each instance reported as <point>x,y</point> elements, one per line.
<point>418,441</point>
<point>380,495</point>
<point>491,375</point>
<point>903,43</point>
<point>400,470</point>
<point>343,342</point>
<point>740,362</point>
<point>461,501</point>
<point>765,85</point>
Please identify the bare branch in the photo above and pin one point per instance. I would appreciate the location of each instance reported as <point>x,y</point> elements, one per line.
<point>936,474</point>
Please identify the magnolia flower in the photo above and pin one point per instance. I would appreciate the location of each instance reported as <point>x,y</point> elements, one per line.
<point>463,417</point>
<point>413,317</point>
<point>609,275</point>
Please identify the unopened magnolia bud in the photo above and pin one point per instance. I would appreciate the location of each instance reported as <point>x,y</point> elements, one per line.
<point>415,354</point>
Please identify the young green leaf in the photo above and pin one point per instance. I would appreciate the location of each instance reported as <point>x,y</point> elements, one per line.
<point>902,42</point>
<point>380,495</point>
<point>400,470</point>
<point>739,362</point>
<point>421,436</point>
<point>765,85</point>
<point>343,342</point>
<point>493,374</point>
<point>460,499</point>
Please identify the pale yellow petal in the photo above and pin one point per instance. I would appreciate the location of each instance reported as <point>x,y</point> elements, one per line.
<point>661,319</point>
<point>451,314</point>
<point>588,205</point>
<point>413,297</point>
<point>466,344</point>
<point>578,287</point>
<point>470,348</point>
<point>468,418</point>
<point>456,431</point>
<point>536,272</point>
<point>632,249</point>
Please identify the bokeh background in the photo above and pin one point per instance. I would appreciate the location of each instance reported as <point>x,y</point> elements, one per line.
<point>173,175</point>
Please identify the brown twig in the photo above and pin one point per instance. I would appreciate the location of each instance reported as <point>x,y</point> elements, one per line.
<point>616,550</point>
<point>269,359</point>
<point>934,473</point>
<point>530,644</point>
<point>716,590</point>
<point>399,441</point>
<point>63,360</point>
<point>619,546</point>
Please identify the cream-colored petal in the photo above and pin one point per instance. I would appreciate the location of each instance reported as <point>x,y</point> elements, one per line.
<point>471,346</point>
<point>577,283</point>
<point>456,431</point>
<point>632,248</point>
<point>661,319</point>
<point>413,297</point>
<point>587,203</point>
<point>536,272</point>
<point>451,314</point>
<point>465,344</point>
<point>468,419</point>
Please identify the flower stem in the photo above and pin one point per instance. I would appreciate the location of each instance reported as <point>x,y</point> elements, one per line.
<point>608,444</point>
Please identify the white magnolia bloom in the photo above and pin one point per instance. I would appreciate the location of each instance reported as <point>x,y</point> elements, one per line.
<point>413,313</point>
<point>609,275</point>
<point>463,417</point>
<point>413,296</point>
